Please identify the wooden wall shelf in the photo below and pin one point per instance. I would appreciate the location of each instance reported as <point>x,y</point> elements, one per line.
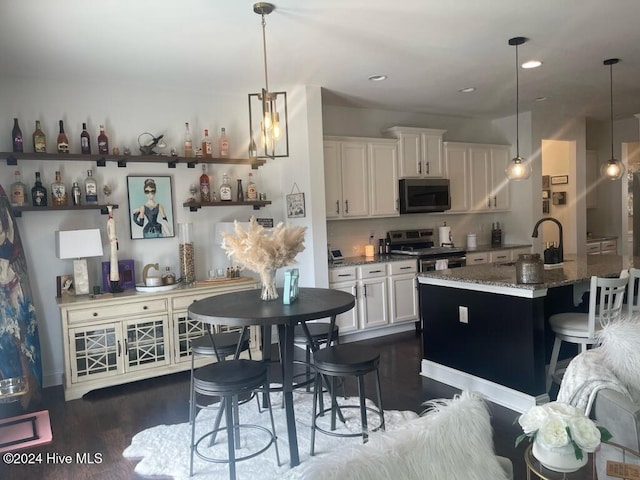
<point>256,204</point>
<point>17,211</point>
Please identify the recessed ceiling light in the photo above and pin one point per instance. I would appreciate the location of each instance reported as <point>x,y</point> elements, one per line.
<point>540,99</point>
<point>467,90</point>
<point>377,78</point>
<point>532,64</point>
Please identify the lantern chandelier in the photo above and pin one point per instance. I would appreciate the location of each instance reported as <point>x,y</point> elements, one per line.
<point>613,169</point>
<point>517,168</point>
<point>268,122</point>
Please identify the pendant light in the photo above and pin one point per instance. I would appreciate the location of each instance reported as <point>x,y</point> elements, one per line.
<point>268,121</point>
<point>613,169</point>
<point>517,168</point>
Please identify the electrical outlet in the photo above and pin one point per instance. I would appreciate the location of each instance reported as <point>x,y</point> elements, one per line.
<point>463,314</point>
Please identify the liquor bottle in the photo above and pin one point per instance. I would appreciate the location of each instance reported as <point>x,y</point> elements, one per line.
<point>39,140</point>
<point>225,188</point>
<point>90,189</point>
<point>224,143</point>
<point>252,189</point>
<point>18,191</point>
<point>188,142</point>
<point>76,194</point>
<point>85,141</point>
<point>38,193</point>
<point>239,192</point>
<point>207,149</point>
<point>205,186</point>
<point>16,137</point>
<point>103,142</point>
<point>58,192</point>
<point>62,142</point>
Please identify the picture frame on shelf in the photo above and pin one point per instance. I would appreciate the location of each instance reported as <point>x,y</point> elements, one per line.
<point>546,194</point>
<point>546,182</point>
<point>126,269</point>
<point>559,179</point>
<point>65,286</point>
<point>150,206</point>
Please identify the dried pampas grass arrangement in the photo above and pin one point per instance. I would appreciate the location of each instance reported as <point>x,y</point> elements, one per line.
<point>264,251</point>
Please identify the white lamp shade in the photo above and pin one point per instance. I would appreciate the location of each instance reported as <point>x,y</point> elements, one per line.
<point>78,243</point>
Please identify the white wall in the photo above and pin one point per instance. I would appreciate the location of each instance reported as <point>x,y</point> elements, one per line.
<point>127,111</point>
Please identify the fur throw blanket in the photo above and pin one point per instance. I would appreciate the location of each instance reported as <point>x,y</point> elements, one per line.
<point>451,440</point>
<point>586,375</point>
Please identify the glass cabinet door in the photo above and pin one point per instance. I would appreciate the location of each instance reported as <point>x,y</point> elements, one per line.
<point>96,352</point>
<point>146,343</point>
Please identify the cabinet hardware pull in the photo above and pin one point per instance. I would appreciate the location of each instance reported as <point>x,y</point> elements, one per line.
<point>337,206</point>
<point>346,206</point>
<point>495,201</point>
<point>344,274</point>
<point>145,307</point>
<point>397,204</point>
<point>427,164</point>
<point>119,348</point>
<point>126,347</point>
<point>375,271</point>
<point>405,268</point>
<point>95,314</point>
<point>488,202</point>
<point>420,168</point>
<point>364,287</point>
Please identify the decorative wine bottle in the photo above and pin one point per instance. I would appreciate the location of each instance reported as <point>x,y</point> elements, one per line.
<point>38,193</point>
<point>103,142</point>
<point>18,191</point>
<point>62,142</point>
<point>225,188</point>
<point>58,192</point>
<point>85,141</point>
<point>16,136</point>
<point>205,186</point>
<point>39,139</point>
<point>90,189</point>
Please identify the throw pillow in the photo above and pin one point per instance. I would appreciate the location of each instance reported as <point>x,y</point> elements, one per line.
<point>621,346</point>
<point>452,440</point>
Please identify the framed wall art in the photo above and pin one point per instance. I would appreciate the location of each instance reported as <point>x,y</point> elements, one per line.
<point>559,179</point>
<point>559,198</point>
<point>295,203</point>
<point>65,286</point>
<point>546,182</point>
<point>150,206</point>
<point>546,193</point>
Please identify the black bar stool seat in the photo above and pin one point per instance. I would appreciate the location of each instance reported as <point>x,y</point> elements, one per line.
<point>344,361</point>
<point>319,332</point>
<point>225,344</point>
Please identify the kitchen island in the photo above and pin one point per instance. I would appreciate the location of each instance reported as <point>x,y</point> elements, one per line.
<point>484,331</point>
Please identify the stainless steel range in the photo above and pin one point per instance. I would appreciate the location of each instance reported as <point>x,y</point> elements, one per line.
<point>419,243</point>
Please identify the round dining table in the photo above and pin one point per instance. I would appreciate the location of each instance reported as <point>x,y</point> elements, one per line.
<point>245,308</point>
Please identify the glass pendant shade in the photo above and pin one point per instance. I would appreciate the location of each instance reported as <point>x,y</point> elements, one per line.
<point>268,113</point>
<point>613,169</point>
<point>518,169</point>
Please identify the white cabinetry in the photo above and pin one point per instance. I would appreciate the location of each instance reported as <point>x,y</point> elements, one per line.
<point>591,179</point>
<point>385,294</point>
<point>477,258</point>
<point>114,340</point>
<point>476,175</point>
<point>499,256</point>
<point>360,177</point>
<point>403,291</point>
<point>602,247</point>
<point>496,255</point>
<point>420,151</point>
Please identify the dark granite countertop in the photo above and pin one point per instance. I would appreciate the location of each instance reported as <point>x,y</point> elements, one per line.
<point>501,277</point>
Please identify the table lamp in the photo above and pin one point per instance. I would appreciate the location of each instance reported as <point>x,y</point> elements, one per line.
<point>79,244</point>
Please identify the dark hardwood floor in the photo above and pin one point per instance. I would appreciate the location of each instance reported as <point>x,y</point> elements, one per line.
<point>104,421</point>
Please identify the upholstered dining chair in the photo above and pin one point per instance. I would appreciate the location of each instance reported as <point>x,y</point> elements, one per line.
<point>605,305</point>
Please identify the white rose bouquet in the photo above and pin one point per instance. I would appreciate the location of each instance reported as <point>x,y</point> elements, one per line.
<point>556,424</point>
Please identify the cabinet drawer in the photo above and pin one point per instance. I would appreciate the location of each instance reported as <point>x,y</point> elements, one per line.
<point>397,268</point>
<point>342,274</point>
<point>477,258</point>
<point>609,245</point>
<point>501,256</point>
<point>593,247</point>
<point>372,271</point>
<point>118,310</point>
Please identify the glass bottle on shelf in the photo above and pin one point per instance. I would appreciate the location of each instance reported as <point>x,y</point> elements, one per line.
<point>18,191</point>
<point>207,149</point>
<point>76,194</point>
<point>62,142</point>
<point>39,139</point>
<point>252,190</point>
<point>90,189</point>
<point>85,141</point>
<point>103,142</point>
<point>58,192</point>
<point>225,188</point>
<point>38,193</point>
<point>205,186</point>
<point>224,143</point>
<point>239,192</point>
<point>188,142</point>
<point>16,137</point>
<point>168,277</point>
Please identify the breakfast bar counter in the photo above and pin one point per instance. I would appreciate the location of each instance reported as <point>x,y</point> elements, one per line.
<point>483,330</point>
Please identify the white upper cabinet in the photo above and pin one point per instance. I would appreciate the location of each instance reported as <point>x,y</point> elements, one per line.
<point>457,171</point>
<point>419,151</point>
<point>361,177</point>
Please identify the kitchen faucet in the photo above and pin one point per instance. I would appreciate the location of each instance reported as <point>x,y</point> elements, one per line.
<point>551,219</point>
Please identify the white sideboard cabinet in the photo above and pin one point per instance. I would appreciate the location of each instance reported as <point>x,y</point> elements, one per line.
<point>111,340</point>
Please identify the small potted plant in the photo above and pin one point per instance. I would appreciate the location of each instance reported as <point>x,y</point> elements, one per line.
<point>561,435</point>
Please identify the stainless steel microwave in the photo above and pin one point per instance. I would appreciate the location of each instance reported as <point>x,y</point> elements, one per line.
<point>424,195</point>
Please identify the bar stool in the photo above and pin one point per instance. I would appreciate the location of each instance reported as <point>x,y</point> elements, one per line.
<point>319,332</point>
<point>229,380</point>
<point>344,361</point>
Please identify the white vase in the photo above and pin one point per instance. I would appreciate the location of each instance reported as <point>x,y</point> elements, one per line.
<point>558,459</point>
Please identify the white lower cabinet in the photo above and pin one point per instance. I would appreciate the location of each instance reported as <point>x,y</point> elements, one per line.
<point>114,340</point>
<point>496,256</point>
<point>385,294</point>
<point>477,258</point>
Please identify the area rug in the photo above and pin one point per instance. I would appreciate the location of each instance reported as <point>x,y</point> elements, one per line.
<point>164,450</point>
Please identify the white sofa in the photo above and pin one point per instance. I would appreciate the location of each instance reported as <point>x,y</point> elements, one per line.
<point>451,440</point>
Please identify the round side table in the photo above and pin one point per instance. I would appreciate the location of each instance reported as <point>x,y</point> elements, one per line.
<point>588,472</point>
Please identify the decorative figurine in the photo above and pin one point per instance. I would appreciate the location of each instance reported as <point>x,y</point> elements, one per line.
<point>114,274</point>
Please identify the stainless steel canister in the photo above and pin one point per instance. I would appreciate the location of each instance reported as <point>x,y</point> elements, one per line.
<point>529,268</point>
